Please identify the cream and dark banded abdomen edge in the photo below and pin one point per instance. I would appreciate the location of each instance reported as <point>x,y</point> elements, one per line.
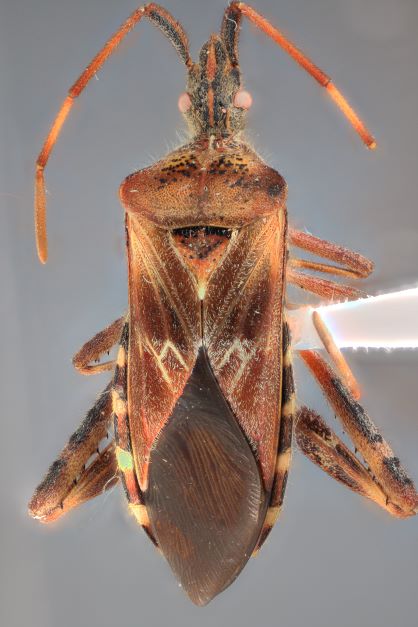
<point>284,449</point>
<point>124,455</point>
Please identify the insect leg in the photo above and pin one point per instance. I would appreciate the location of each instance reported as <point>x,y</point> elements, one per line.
<point>170,28</point>
<point>386,469</point>
<point>356,266</point>
<point>232,15</point>
<point>329,290</point>
<point>325,449</point>
<point>336,355</point>
<point>304,264</point>
<point>284,452</point>
<point>69,482</point>
<point>360,266</point>
<point>94,348</point>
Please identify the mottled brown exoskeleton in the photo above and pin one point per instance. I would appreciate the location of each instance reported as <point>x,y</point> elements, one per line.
<point>202,396</point>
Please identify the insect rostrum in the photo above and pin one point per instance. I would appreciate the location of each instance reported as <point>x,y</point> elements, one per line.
<point>202,396</point>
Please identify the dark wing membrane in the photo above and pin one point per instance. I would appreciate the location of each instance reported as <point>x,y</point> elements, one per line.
<point>205,499</point>
<point>164,337</point>
<point>243,332</point>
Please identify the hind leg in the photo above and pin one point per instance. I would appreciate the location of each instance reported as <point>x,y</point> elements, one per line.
<point>71,479</point>
<point>387,482</point>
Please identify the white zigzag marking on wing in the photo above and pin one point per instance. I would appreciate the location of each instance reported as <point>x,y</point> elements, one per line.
<point>161,355</point>
<point>246,351</point>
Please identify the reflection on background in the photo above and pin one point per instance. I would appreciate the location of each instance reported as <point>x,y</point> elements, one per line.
<point>386,321</point>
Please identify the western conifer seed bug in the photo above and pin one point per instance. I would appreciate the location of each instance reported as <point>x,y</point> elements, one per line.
<point>202,396</point>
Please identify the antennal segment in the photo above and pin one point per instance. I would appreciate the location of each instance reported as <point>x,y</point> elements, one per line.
<point>281,40</point>
<point>171,29</point>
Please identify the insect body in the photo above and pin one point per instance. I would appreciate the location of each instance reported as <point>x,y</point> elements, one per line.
<point>202,397</point>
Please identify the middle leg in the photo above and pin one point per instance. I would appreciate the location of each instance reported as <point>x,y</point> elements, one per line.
<point>101,343</point>
<point>336,355</point>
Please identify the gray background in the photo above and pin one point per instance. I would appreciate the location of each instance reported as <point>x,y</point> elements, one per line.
<point>333,559</point>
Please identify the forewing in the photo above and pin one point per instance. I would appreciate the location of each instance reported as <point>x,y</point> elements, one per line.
<point>164,334</point>
<point>243,332</point>
<point>206,501</point>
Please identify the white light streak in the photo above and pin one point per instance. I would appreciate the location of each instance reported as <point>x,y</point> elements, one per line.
<point>386,321</point>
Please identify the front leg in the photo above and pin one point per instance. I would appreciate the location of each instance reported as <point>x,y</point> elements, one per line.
<point>387,483</point>
<point>352,265</point>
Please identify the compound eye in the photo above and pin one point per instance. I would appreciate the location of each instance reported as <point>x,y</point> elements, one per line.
<point>184,102</point>
<point>243,99</point>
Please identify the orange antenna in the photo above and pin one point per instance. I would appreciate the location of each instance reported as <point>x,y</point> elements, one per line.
<point>233,16</point>
<point>175,33</point>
